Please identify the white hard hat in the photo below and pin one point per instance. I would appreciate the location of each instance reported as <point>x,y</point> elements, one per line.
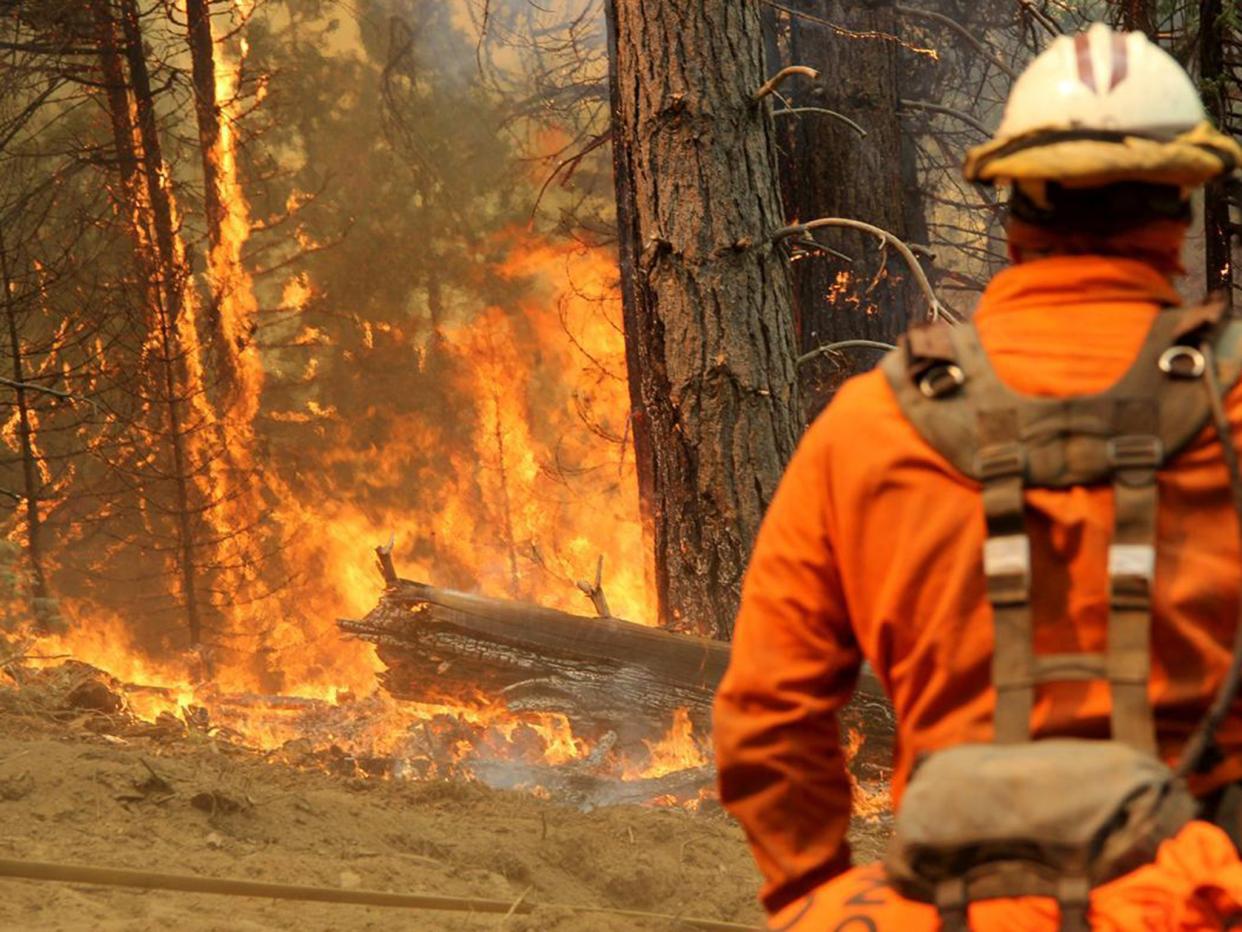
<point>1104,106</point>
<point>1100,79</point>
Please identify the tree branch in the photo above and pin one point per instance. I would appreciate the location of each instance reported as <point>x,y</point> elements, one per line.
<point>771,84</point>
<point>832,113</point>
<point>829,348</point>
<point>938,310</point>
<point>31,387</point>
<point>947,111</point>
<point>961,31</point>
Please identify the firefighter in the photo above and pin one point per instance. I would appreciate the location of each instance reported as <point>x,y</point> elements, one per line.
<point>1026,526</point>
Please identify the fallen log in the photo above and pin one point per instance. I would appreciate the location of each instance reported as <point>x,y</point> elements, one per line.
<point>604,674</point>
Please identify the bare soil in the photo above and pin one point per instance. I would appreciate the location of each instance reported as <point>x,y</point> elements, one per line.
<point>199,807</point>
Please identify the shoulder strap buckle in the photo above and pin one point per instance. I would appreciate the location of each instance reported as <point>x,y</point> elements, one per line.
<point>931,360</point>
<point>1182,361</point>
<point>941,380</point>
<point>1135,451</point>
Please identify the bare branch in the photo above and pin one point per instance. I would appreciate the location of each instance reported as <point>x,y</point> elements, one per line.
<point>832,113</point>
<point>595,591</point>
<point>961,31</point>
<point>830,349</point>
<point>947,111</point>
<point>771,84</point>
<point>31,387</point>
<point>938,310</point>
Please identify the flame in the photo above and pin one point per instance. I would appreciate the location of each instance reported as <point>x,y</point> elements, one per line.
<point>534,488</point>
<point>679,749</point>
<point>868,802</point>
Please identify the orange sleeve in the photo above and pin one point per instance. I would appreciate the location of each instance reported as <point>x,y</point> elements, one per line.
<point>794,664</point>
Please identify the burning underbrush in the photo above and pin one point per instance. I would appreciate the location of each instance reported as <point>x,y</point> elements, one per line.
<point>372,737</point>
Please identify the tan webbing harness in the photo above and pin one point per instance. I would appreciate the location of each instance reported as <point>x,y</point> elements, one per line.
<point>1009,442</point>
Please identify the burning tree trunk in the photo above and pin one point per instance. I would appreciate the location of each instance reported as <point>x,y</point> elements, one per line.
<point>152,217</point>
<point>709,341</point>
<point>32,483</point>
<point>116,88</point>
<point>203,69</point>
<point>830,169</point>
<point>229,319</point>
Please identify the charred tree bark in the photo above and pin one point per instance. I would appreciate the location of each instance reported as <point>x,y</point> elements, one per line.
<point>32,483</point>
<point>171,274</point>
<point>116,88</point>
<point>706,295</point>
<point>1138,15</point>
<point>829,170</point>
<point>603,674</point>
<point>1214,81</point>
<point>206,111</point>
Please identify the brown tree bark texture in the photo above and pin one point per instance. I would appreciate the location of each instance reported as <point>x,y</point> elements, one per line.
<point>203,69</point>
<point>706,296</point>
<point>170,275</point>
<point>828,170</point>
<point>1213,77</point>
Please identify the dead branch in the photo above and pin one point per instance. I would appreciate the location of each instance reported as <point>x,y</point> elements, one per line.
<point>962,31</point>
<point>845,33</point>
<point>569,165</point>
<point>595,591</point>
<point>938,310</point>
<point>1040,17</point>
<point>830,349</point>
<point>771,84</point>
<point>383,558</point>
<point>31,387</point>
<point>832,113</point>
<point>947,111</point>
<point>820,247</point>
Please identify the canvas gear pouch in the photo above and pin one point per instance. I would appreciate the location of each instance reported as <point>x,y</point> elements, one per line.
<point>1049,818</point>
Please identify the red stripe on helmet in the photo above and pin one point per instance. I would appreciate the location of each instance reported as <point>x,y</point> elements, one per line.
<point>1121,59</point>
<point>1086,68</point>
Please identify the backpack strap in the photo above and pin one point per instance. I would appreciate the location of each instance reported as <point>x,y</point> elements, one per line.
<point>952,896</point>
<point>1007,568</point>
<point>946,386</point>
<point>1135,452</point>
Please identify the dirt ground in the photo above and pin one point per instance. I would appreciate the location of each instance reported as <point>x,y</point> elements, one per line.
<point>67,795</point>
<point>82,781</point>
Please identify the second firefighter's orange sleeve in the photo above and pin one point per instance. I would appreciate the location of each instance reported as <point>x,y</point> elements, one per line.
<point>794,665</point>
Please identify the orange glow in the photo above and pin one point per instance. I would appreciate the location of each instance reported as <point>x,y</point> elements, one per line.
<point>536,488</point>
<point>868,802</point>
<point>679,749</point>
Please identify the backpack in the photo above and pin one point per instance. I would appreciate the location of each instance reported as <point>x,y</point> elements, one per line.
<point>1057,817</point>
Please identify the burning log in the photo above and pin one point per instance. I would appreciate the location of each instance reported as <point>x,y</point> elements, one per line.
<point>603,674</point>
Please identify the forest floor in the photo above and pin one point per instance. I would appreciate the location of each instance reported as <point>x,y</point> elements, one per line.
<point>71,795</point>
<point>73,792</point>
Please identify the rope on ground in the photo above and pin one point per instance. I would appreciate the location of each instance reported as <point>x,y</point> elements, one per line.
<point>182,883</point>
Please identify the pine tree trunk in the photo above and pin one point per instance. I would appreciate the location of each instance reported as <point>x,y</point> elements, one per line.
<point>169,297</point>
<point>1213,77</point>
<point>1138,15</point>
<point>706,295</point>
<point>203,70</point>
<point>829,170</point>
<point>116,88</point>
<point>32,482</point>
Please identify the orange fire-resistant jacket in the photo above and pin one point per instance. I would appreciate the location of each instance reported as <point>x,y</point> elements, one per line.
<point>1194,885</point>
<point>872,548</point>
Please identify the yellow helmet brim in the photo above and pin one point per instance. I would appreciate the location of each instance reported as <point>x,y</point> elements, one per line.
<point>1090,160</point>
